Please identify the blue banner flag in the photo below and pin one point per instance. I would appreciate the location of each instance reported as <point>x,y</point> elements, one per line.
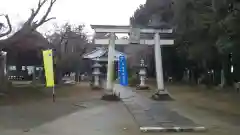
<point>122,71</point>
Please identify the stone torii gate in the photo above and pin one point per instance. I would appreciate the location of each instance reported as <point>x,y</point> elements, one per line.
<point>134,39</point>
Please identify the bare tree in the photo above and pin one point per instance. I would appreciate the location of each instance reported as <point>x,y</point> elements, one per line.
<point>70,43</point>
<point>9,25</point>
<point>30,25</point>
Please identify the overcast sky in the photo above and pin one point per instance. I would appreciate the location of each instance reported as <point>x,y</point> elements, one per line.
<point>115,12</point>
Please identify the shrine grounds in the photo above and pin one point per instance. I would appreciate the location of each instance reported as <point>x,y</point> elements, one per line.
<point>28,110</point>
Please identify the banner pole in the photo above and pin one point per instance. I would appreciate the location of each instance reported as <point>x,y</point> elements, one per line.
<point>53,94</point>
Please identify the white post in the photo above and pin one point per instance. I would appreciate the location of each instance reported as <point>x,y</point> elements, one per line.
<point>158,63</point>
<point>53,94</point>
<point>111,49</point>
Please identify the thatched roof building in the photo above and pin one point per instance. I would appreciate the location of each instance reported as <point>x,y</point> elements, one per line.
<point>28,50</point>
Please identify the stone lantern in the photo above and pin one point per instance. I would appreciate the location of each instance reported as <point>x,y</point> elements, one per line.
<point>142,76</point>
<point>95,84</point>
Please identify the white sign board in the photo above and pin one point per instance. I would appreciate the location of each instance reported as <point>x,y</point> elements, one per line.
<point>134,36</point>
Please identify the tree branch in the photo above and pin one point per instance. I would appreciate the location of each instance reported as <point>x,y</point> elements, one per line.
<point>34,13</point>
<point>9,25</point>
<point>49,19</point>
<point>29,25</point>
<point>44,18</point>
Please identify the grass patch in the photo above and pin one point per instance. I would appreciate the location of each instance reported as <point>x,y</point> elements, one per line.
<point>18,94</point>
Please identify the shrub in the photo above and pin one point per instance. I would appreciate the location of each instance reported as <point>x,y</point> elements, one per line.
<point>133,80</point>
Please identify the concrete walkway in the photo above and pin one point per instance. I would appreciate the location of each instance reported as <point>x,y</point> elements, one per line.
<point>109,119</point>
<point>155,115</point>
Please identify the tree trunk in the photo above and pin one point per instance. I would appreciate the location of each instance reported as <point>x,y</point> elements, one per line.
<point>58,75</point>
<point>222,79</point>
<point>223,73</point>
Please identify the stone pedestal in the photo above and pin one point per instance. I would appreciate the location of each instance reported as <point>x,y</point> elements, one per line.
<point>111,96</point>
<point>161,95</point>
